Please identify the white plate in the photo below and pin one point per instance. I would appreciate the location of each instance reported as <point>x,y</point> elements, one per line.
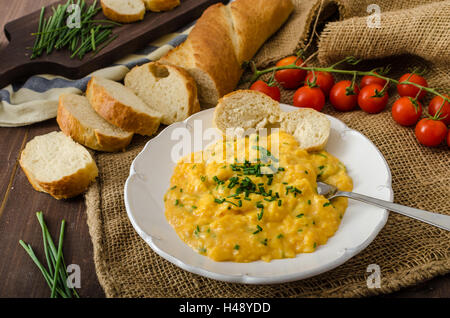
<point>150,178</point>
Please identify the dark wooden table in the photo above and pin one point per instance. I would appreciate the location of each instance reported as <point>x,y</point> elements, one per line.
<point>19,277</point>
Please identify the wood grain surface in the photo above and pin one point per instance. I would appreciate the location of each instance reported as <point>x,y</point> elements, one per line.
<point>19,277</point>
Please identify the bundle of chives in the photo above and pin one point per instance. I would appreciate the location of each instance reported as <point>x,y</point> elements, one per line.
<point>56,274</point>
<point>54,33</point>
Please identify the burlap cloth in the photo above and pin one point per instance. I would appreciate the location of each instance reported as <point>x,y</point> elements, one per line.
<point>407,251</point>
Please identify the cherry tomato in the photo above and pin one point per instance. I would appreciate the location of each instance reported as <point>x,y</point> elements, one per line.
<point>309,97</point>
<point>290,79</point>
<point>263,87</point>
<point>369,79</point>
<point>324,80</point>
<point>448,138</point>
<point>406,111</point>
<point>431,132</point>
<point>341,99</point>
<point>411,90</point>
<point>370,102</point>
<point>436,104</point>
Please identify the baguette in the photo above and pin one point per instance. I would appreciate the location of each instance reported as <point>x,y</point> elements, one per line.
<point>77,119</point>
<point>168,89</point>
<point>119,106</point>
<point>57,165</point>
<point>242,111</point>
<point>123,11</point>
<point>223,38</point>
<point>161,5</point>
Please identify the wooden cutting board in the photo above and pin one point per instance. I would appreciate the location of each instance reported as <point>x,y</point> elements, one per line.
<point>15,63</point>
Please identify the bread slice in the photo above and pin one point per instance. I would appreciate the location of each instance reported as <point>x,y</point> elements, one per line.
<point>308,126</point>
<point>57,165</point>
<point>223,39</point>
<point>168,89</point>
<point>161,5</point>
<point>119,106</point>
<point>123,11</point>
<point>77,119</point>
<point>242,110</point>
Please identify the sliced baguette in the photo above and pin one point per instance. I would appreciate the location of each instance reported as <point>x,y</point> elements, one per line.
<point>123,11</point>
<point>308,126</point>
<point>168,89</point>
<point>161,5</point>
<point>77,119</point>
<point>57,165</point>
<point>244,110</point>
<point>119,106</point>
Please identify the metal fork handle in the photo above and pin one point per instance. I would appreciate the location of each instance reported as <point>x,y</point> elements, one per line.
<point>440,220</point>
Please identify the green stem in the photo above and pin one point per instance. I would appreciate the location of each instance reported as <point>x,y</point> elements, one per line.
<point>59,257</point>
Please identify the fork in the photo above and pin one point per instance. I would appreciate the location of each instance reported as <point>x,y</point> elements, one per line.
<point>440,220</point>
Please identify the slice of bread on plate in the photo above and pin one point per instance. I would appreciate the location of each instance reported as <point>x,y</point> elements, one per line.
<point>119,106</point>
<point>57,165</point>
<point>168,89</point>
<point>308,126</point>
<point>161,5</point>
<point>244,110</point>
<point>123,11</point>
<point>77,119</point>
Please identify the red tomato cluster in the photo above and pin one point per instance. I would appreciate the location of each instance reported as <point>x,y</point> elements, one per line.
<point>314,87</point>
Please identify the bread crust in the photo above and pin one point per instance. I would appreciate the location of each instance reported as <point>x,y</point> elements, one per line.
<point>113,15</point>
<point>91,138</point>
<point>161,5</point>
<point>118,114</point>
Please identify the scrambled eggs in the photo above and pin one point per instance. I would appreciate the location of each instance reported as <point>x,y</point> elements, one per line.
<point>263,207</point>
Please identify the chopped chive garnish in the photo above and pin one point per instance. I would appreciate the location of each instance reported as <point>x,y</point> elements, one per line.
<point>279,202</point>
<point>202,250</point>
<point>315,244</point>
<point>300,215</point>
<point>203,178</point>
<point>300,230</point>
<point>309,202</point>
<point>280,236</point>
<point>197,231</point>
<point>321,167</point>
<point>264,242</point>
<point>237,247</point>
<point>177,202</point>
<point>194,207</point>
<point>173,188</point>
<point>259,229</point>
<point>326,204</point>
